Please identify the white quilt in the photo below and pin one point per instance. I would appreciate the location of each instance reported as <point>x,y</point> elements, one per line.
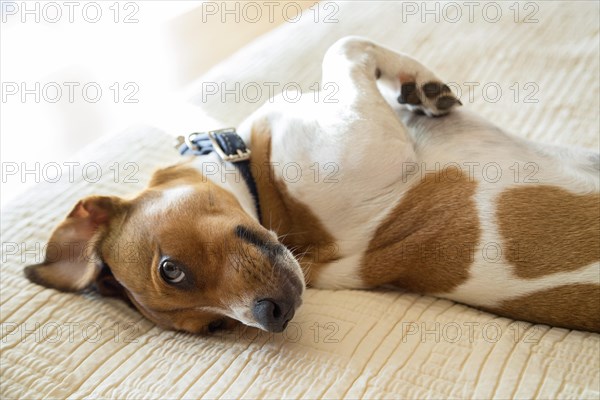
<point>341,344</point>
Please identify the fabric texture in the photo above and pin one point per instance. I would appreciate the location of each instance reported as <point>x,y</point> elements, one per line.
<point>370,344</point>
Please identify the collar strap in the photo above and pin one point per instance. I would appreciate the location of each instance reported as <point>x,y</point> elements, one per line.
<point>230,147</point>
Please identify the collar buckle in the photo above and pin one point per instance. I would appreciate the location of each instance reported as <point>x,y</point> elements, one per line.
<point>229,146</point>
<point>239,155</point>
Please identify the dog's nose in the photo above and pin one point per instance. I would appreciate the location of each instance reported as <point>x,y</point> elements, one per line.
<point>273,315</point>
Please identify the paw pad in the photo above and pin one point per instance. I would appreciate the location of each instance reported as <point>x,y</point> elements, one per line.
<point>432,98</point>
<point>408,94</point>
<point>446,102</point>
<point>434,89</point>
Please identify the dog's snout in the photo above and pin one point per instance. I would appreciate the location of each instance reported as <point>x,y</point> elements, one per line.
<point>273,315</point>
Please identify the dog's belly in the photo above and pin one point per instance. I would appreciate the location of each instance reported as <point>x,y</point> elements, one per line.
<point>519,239</point>
<point>529,253</point>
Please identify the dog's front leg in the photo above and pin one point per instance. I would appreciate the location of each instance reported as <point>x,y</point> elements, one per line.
<point>372,146</point>
<point>362,118</point>
<point>361,68</point>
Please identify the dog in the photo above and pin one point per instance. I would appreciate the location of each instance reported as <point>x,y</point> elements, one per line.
<point>393,184</point>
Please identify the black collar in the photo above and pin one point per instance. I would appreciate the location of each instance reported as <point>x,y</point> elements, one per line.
<point>230,147</point>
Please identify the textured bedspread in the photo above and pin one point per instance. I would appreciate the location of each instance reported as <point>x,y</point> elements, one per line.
<point>341,344</point>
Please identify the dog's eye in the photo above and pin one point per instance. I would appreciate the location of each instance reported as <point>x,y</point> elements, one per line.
<point>171,272</point>
<point>216,325</point>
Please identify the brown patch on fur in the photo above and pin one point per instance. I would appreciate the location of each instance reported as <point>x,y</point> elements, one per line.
<point>299,228</point>
<point>568,306</point>
<point>176,174</point>
<point>547,229</point>
<point>426,243</point>
<point>402,77</point>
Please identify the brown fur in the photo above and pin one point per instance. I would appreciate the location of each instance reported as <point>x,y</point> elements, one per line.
<point>180,173</point>
<point>299,228</point>
<point>426,242</point>
<point>197,231</point>
<point>568,306</point>
<point>547,229</point>
<point>70,263</point>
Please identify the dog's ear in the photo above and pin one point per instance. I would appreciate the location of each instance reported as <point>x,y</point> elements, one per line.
<point>107,285</point>
<point>71,263</point>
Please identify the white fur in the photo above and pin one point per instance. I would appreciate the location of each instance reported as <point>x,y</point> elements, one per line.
<point>228,177</point>
<point>341,274</point>
<point>170,198</point>
<point>241,311</point>
<point>370,138</point>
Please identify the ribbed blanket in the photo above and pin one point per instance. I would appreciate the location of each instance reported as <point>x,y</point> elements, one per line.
<point>341,344</point>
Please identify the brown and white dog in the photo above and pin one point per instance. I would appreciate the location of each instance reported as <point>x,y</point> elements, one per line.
<point>382,194</point>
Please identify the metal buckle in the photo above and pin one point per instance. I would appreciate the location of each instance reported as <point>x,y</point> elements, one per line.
<point>188,140</point>
<point>233,158</point>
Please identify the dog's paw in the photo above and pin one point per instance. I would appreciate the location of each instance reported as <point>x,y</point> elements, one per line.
<point>431,97</point>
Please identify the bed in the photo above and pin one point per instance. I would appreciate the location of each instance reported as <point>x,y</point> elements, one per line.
<point>341,344</point>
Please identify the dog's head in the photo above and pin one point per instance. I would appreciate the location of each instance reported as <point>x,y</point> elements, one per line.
<point>183,252</point>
